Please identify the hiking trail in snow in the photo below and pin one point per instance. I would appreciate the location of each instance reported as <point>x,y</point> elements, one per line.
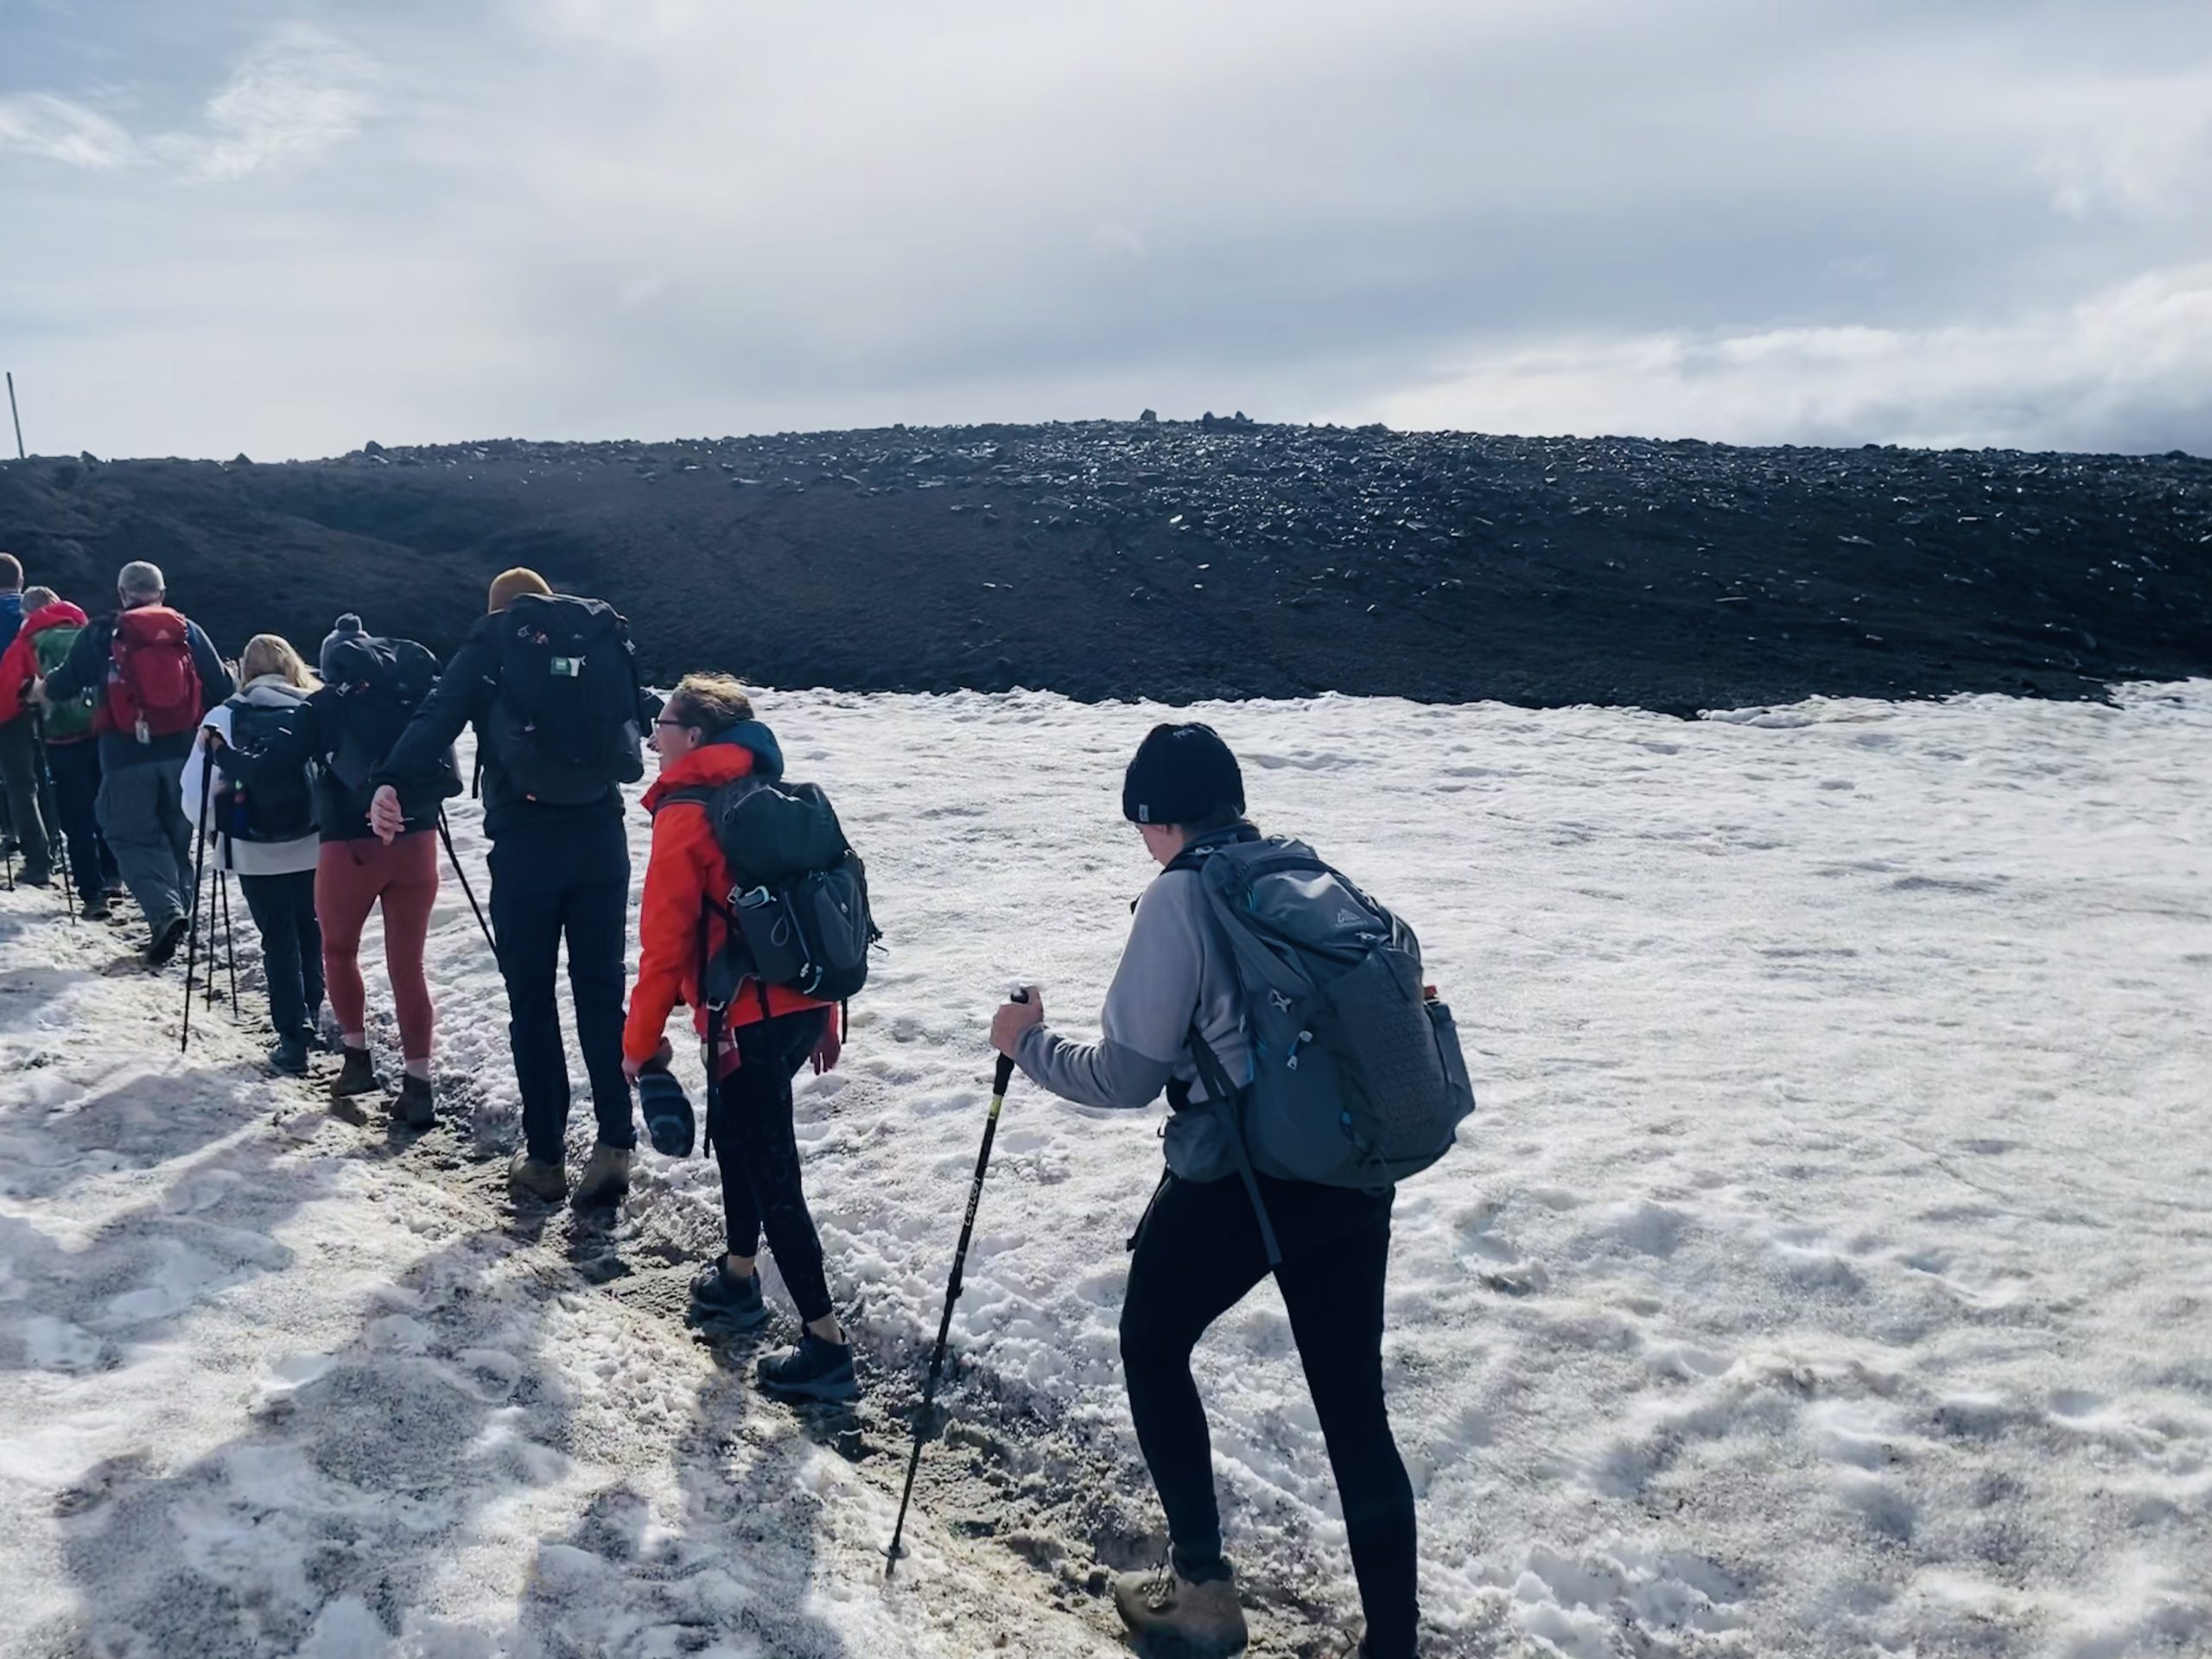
<point>1822,1271</point>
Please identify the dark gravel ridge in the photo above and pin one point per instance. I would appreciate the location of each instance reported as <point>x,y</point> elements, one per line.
<point>1221,558</point>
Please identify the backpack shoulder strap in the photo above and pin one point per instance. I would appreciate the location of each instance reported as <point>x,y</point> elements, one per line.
<point>700,795</point>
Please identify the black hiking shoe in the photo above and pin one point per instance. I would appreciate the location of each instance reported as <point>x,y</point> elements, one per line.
<point>290,1056</point>
<point>417,1109</point>
<point>37,878</point>
<point>814,1370</point>
<point>95,907</point>
<point>166,938</point>
<point>358,1075</point>
<point>722,1303</point>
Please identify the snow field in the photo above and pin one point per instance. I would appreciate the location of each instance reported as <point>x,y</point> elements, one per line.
<point>1823,1271</point>
<point>269,1391</point>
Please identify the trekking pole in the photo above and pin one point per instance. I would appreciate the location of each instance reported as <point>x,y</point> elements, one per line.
<point>47,805</point>
<point>999,1083</point>
<point>445,834</point>
<point>230,940</point>
<point>198,864</point>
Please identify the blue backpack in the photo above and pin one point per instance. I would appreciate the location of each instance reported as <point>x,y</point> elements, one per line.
<point>1356,1075</point>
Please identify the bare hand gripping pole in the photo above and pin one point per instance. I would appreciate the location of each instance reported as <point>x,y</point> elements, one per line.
<point>999,1083</point>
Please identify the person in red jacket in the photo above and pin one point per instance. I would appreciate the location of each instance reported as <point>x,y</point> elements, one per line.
<point>72,760</point>
<point>707,737</point>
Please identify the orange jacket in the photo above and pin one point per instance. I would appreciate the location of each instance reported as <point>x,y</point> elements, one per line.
<point>19,662</point>
<point>684,871</point>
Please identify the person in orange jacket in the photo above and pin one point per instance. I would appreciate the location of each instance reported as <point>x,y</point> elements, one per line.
<point>707,737</point>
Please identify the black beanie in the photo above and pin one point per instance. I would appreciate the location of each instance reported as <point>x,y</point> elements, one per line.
<point>1182,774</point>
<point>346,657</point>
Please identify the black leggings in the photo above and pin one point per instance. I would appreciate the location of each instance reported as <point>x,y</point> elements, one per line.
<point>750,1125</point>
<point>1198,1255</point>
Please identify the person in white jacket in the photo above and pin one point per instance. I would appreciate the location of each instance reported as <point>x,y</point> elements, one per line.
<point>265,834</point>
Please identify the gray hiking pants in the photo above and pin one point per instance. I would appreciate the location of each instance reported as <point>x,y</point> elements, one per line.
<point>141,814</point>
<point>19,774</point>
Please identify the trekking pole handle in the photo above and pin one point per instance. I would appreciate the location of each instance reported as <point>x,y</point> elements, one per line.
<point>1003,1078</point>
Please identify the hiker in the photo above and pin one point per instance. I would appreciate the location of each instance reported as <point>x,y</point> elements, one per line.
<point>263,828</point>
<point>154,673</point>
<point>372,689</point>
<point>19,756</point>
<point>1174,1017</point>
<point>549,683</point>
<point>706,736</point>
<point>72,759</point>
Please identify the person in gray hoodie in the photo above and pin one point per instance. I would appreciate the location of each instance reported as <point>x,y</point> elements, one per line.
<point>1198,1251</point>
<point>263,831</point>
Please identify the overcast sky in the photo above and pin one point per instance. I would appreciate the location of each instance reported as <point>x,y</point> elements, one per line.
<point>286,228</point>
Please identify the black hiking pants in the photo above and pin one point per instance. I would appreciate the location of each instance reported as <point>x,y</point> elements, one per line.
<point>564,880</point>
<point>1198,1253</point>
<point>756,1148</point>
<point>75,768</point>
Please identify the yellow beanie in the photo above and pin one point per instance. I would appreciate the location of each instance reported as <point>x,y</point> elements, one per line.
<point>510,585</point>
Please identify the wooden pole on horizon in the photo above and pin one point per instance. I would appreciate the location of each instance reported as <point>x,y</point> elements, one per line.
<point>14,415</point>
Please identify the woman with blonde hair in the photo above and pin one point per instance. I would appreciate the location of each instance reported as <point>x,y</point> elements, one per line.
<point>260,822</point>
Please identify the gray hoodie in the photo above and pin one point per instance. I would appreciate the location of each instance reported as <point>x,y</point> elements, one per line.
<point>1175,973</point>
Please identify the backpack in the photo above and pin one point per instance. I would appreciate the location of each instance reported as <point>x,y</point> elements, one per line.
<point>564,727</point>
<point>372,711</point>
<point>63,721</point>
<point>796,913</point>
<point>1356,1075</point>
<point>153,686</point>
<point>277,807</point>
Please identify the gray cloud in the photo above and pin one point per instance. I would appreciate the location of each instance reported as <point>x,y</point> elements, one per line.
<point>1946,221</point>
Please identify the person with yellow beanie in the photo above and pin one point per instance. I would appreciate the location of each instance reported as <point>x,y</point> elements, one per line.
<point>549,683</point>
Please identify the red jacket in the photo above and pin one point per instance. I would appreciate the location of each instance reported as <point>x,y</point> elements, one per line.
<point>19,662</point>
<point>684,869</point>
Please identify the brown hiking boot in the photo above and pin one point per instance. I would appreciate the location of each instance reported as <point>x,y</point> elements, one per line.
<point>606,1178</point>
<point>1170,1618</point>
<point>529,1179</point>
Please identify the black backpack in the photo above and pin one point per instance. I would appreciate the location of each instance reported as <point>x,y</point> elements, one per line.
<point>564,727</point>
<point>373,709</point>
<point>264,803</point>
<point>796,913</point>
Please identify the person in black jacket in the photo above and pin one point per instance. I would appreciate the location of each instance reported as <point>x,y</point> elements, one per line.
<point>142,793</point>
<point>560,857</point>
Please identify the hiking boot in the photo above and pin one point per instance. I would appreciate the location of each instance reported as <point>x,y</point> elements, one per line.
<point>358,1075</point>
<point>531,1178</point>
<point>606,1178</point>
<point>95,907</point>
<point>37,878</point>
<point>814,1370</point>
<point>416,1108</point>
<point>725,1303</point>
<point>1172,1617</point>
<point>166,938</point>
<point>290,1056</point>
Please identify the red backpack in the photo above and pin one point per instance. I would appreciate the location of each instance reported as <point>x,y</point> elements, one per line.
<point>153,686</point>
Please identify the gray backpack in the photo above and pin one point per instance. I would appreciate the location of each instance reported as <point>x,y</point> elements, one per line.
<point>1357,1078</point>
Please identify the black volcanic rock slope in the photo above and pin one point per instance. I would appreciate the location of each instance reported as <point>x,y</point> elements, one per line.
<point>1183,561</point>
